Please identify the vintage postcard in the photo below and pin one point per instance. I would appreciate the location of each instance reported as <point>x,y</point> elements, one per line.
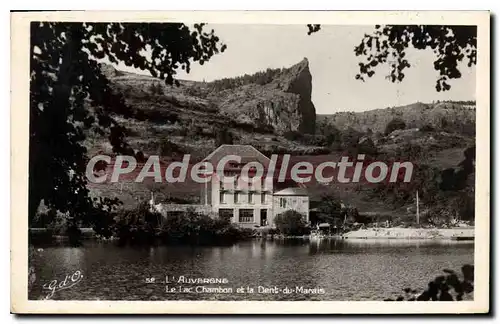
<point>250,162</point>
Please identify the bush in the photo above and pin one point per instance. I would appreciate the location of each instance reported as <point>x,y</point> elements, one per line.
<point>44,219</point>
<point>330,133</point>
<point>273,231</point>
<point>329,210</point>
<point>349,140</point>
<point>168,148</point>
<point>261,78</point>
<point>291,222</point>
<point>313,140</point>
<point>366,146</point>
<point>292,135</point>
<point>192,227</point>
<point>136,226</point>
<point>427,128</point>
<point>141,226</point>
<point>197,91</point>
<point>65,225</point>
<point>394,124</point>
<point>410,152</point>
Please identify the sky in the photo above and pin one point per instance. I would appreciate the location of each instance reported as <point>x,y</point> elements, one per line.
<point>333,66</point>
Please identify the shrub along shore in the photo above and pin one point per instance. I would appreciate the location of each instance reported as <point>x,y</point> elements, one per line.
<point>142,226</point>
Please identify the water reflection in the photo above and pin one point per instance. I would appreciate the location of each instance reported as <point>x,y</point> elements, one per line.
<point>346,270</point>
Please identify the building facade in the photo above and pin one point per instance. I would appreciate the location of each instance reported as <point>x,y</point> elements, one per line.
<point>291,199</point>
<point>251,201</point>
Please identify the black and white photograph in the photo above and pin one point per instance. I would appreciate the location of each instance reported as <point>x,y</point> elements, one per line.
<point>184,158</point>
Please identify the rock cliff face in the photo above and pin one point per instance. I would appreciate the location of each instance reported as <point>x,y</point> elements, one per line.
<point>284,103</point>
<point>274,100</point>
<point>300,83</point>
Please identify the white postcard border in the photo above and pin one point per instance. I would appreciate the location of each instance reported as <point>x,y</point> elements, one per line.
<point>19,163</point>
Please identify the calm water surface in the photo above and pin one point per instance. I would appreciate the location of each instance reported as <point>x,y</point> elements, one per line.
<point>332,269</point>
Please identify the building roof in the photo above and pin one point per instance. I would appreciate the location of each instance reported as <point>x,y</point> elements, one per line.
<point>295,191</point>
<point>247,153</point>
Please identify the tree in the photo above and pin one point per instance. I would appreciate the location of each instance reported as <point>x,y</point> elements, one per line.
<point>168,148</point>
<point>292,135</point>
<point>366,146</point>
<point>70,96</point>
<point>290,222</point>
<point>388,45</point>
<point>448,287</point>
<point>349,139</point>
<point>332,135</point>
<point>330,210</point>
<point>396,123</point>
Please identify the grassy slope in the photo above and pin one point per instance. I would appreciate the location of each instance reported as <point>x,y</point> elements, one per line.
<point>414,115</point>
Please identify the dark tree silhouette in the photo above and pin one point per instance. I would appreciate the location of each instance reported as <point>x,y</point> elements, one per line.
<point>291,222</point>
<point>70,95</point>
<point>313,28</point>
<point>388,45</point>
<point>448,287</point>
<point>330,210</point>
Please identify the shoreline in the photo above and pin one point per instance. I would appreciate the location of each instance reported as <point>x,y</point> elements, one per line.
<point>458,234</point>
<point>394,233</point>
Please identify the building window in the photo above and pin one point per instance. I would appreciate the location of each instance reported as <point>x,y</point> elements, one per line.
<point>250,198</point>
<point>236,200</point>
<point>226,214</point>
<point>222,185</point>
<point>235,184</point>
<point>222,197</point>
<point>282,202</point>
<point>246,216</point>
<point>262,198</point>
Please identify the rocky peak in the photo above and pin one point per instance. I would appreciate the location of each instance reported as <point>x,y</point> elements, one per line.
<point>283,103</point>
<point>300,83</point>
<point>277,99</point>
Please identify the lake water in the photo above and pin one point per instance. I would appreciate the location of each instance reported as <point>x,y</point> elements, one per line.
<point>275,270</point>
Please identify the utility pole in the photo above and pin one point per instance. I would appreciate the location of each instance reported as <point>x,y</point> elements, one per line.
<point>206,193</point>
<point>418,211</point>
<point>152,202</point>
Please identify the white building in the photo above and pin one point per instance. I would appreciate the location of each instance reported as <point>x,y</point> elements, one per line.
<point>291,199</point>
<point>253,201</point>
